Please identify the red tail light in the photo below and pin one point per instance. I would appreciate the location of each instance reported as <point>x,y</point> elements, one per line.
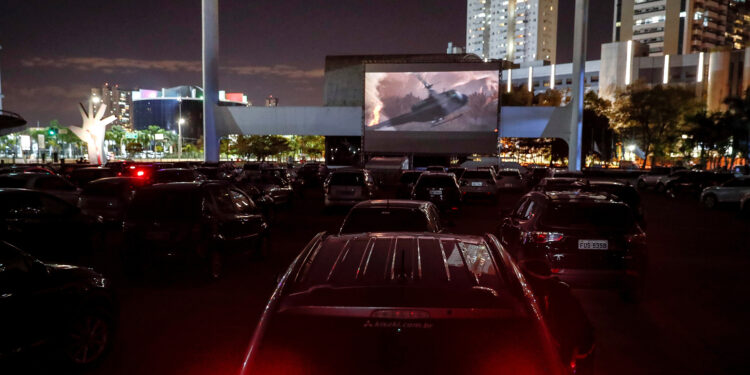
<point>543,237</point>
<point>140,173</point>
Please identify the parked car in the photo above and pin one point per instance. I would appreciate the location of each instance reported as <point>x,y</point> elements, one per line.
<point>49,227</point>
<point>730,192</point>
<point>479,183</point>
<point>48,183</point>
<point>392,216</point>
<point>406,184</point>
<point>262,200</point>
<point>536,174</point>
<point>82,176</point>
<point>651,179</point>
<point>693,183</point>
<point>68,309</point>
<point>558,184</point>
<point>510,179</point>
<point>276,187</point>
<point>562,172</point>
<point>416,303</point>
<point>167,175</point>
<point>195,222</point>
<point>346,187</point>
<point>663,181</point>
<point>106,200</point>
<point>745,205</point>
<point>439,188</point>
<point>588,239</point>
<point>312,174</point>
<point>287,174</point>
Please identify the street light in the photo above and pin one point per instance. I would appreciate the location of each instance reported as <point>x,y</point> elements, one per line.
<point>180,122</point>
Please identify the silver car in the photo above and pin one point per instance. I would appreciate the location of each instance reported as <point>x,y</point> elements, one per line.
<point>510,179</point>
<point>346,187</point>
<point>479,183</point>
<point>728,192</point>
<point>651,179</point>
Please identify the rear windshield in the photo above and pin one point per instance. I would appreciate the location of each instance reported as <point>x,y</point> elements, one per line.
<point>572,215</point>
<point>318,344</point>
<point>108,188</point>
<point>347,179</point>
<point>436,181</point>
<point>484,175</point>
<point>166,204</point>
<point>362,220</point>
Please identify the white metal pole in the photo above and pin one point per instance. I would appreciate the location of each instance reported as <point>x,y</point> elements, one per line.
<point>210,78</point>
<point>579,71</point>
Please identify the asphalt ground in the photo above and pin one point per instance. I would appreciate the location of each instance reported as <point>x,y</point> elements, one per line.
<point>693,320</point>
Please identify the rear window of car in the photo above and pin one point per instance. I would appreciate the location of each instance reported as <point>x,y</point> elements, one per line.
<point>586,215</point>
<point>484,175</point>
<point>166,204</point>
<point>345,178</point>
<point>174,176</point>
<point>440,181</point>
<point>378,219</point>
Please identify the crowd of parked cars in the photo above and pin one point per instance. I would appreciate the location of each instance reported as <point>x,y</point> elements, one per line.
<point>392,277</point>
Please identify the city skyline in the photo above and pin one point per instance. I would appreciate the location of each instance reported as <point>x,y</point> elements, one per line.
<point>50,61</point>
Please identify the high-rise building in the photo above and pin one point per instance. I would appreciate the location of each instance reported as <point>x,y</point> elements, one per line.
<point>671,27</point>
<point>514,30</point>
<point>738,24</point>
<point>118,102</point>
<point>272,101</point>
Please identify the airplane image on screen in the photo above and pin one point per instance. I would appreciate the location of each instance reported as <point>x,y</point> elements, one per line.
<point>436,108</point>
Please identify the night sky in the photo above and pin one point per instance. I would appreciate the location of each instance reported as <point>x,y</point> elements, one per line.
<point>55,51</point>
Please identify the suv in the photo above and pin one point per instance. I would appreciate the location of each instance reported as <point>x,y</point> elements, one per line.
<point>440,189</point>
<point>346,187</point>
<point>392,216</point>
<point>191,221</point>
<point>728,192</point>
<point>479,183</point>
<point>510,179</point>
<point>693,183</point>
<point>588,239</point>
<point>651,179</point>
<point>415,303</point>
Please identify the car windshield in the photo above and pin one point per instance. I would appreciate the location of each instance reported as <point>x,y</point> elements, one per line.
<point>349,179</point>
<point>380,219</point>
<point>477,175</point>
<point>172,204</point>
<point>440,181</point>
<point>584,215</point>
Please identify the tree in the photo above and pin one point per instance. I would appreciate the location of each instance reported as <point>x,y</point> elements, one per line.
<point>550,98</point>
<point>653,117</point>
<point>310,145</point>
<point>116,134</point>
<point>262,146</point>
<point>518,97</point>
<point>738,117</point>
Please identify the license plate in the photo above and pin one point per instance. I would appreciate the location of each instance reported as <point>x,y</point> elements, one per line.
<point>476,184</point>
<point>593,244</point>
<point>436,192</point>
<point>508,185</point>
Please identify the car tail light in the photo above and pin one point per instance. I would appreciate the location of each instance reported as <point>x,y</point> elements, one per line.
<point>543,237</point>
<point>555,270</point>
<point>400,314</point>
<point>454,208</point>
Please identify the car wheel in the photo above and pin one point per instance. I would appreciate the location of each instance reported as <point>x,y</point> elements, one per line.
<point>642,185</point>
<point>215,264</point>
<point>88,338</point>
<point>710,201</point>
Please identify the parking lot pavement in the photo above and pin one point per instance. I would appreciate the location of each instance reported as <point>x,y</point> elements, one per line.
<point>693,320</point>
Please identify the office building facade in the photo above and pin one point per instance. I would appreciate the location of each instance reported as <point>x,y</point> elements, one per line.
<point>515,30</point>
<point>118,101</point>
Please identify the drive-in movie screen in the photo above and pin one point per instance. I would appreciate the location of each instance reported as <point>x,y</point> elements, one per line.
<point>404,102</point>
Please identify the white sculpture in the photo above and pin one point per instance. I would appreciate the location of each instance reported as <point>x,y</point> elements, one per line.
<point>92,131</point>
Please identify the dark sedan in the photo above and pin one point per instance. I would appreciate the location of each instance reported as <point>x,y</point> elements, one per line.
<point>439,188</point>
<point>191,222</point>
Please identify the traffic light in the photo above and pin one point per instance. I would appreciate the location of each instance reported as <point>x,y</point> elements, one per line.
<point>52,132</point>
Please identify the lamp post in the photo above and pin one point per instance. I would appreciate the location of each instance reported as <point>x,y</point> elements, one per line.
<point>179,137</point>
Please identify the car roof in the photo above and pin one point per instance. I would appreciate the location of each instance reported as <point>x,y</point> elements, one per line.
<point>446,174</point>
<point>393,203</point>
<point>403,258</point>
